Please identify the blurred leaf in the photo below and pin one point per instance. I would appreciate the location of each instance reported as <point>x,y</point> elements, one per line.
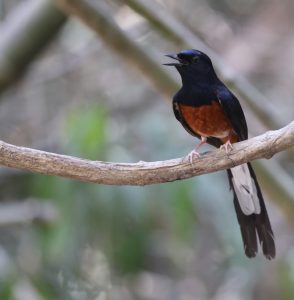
<point>286,281</point>
<point>85,132</point>
<point>6,290</point>
<point>183,209</point>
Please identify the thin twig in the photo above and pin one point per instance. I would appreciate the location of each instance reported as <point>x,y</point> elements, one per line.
<point>145,173</point>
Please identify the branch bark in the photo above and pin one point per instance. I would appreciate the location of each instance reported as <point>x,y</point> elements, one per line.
<point>145,173</point>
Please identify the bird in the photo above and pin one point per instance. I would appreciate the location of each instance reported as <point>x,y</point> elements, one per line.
<point>208,110</point>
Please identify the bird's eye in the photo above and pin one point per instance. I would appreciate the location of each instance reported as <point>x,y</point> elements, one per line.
<point>195,59</point>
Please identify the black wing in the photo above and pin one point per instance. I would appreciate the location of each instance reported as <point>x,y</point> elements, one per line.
<point>233,111</point>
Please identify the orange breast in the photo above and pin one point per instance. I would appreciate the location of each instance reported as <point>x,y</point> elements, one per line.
<point>208,120</point>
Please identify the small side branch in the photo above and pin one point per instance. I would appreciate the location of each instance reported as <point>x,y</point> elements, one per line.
<point>145,173</point>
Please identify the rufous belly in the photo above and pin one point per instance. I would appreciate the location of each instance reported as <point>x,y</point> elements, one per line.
<point>208,120</point>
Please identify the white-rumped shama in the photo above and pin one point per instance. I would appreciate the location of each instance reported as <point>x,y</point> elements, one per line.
<point>208,110</point>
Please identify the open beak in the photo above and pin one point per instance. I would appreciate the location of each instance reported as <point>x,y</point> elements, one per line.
<point>173,56</point>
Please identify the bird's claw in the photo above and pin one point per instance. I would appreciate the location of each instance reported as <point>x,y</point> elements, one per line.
<point>193,154</point>
<point>228,147</point>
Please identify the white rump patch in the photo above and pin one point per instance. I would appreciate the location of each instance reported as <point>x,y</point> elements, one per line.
<point>246,190</point>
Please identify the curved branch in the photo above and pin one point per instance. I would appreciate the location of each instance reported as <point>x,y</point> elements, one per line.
<point>144,173</point>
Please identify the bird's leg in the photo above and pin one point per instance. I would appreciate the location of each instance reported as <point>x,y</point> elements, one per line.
<point>227,146</point>
<point>194,152</point>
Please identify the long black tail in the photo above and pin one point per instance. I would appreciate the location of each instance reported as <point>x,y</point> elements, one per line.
<point>254,225</point>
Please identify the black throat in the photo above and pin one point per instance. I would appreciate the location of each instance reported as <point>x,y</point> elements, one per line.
<point>192,76</point>
<point>199,85</point>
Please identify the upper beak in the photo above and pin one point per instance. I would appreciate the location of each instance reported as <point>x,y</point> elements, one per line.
<point>173,56</point>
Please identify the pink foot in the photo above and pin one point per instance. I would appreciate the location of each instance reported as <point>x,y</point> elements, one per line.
<point>193,154</point>
<point>228,147</point>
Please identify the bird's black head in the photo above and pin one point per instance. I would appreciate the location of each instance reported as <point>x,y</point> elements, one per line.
<point>192,64</point>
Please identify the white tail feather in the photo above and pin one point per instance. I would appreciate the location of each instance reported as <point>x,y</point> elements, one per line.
<point>245,189</point>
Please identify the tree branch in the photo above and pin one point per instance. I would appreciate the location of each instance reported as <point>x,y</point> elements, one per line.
<point>24,33</point>
<point>145,173</point>
<point>96,16</point>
